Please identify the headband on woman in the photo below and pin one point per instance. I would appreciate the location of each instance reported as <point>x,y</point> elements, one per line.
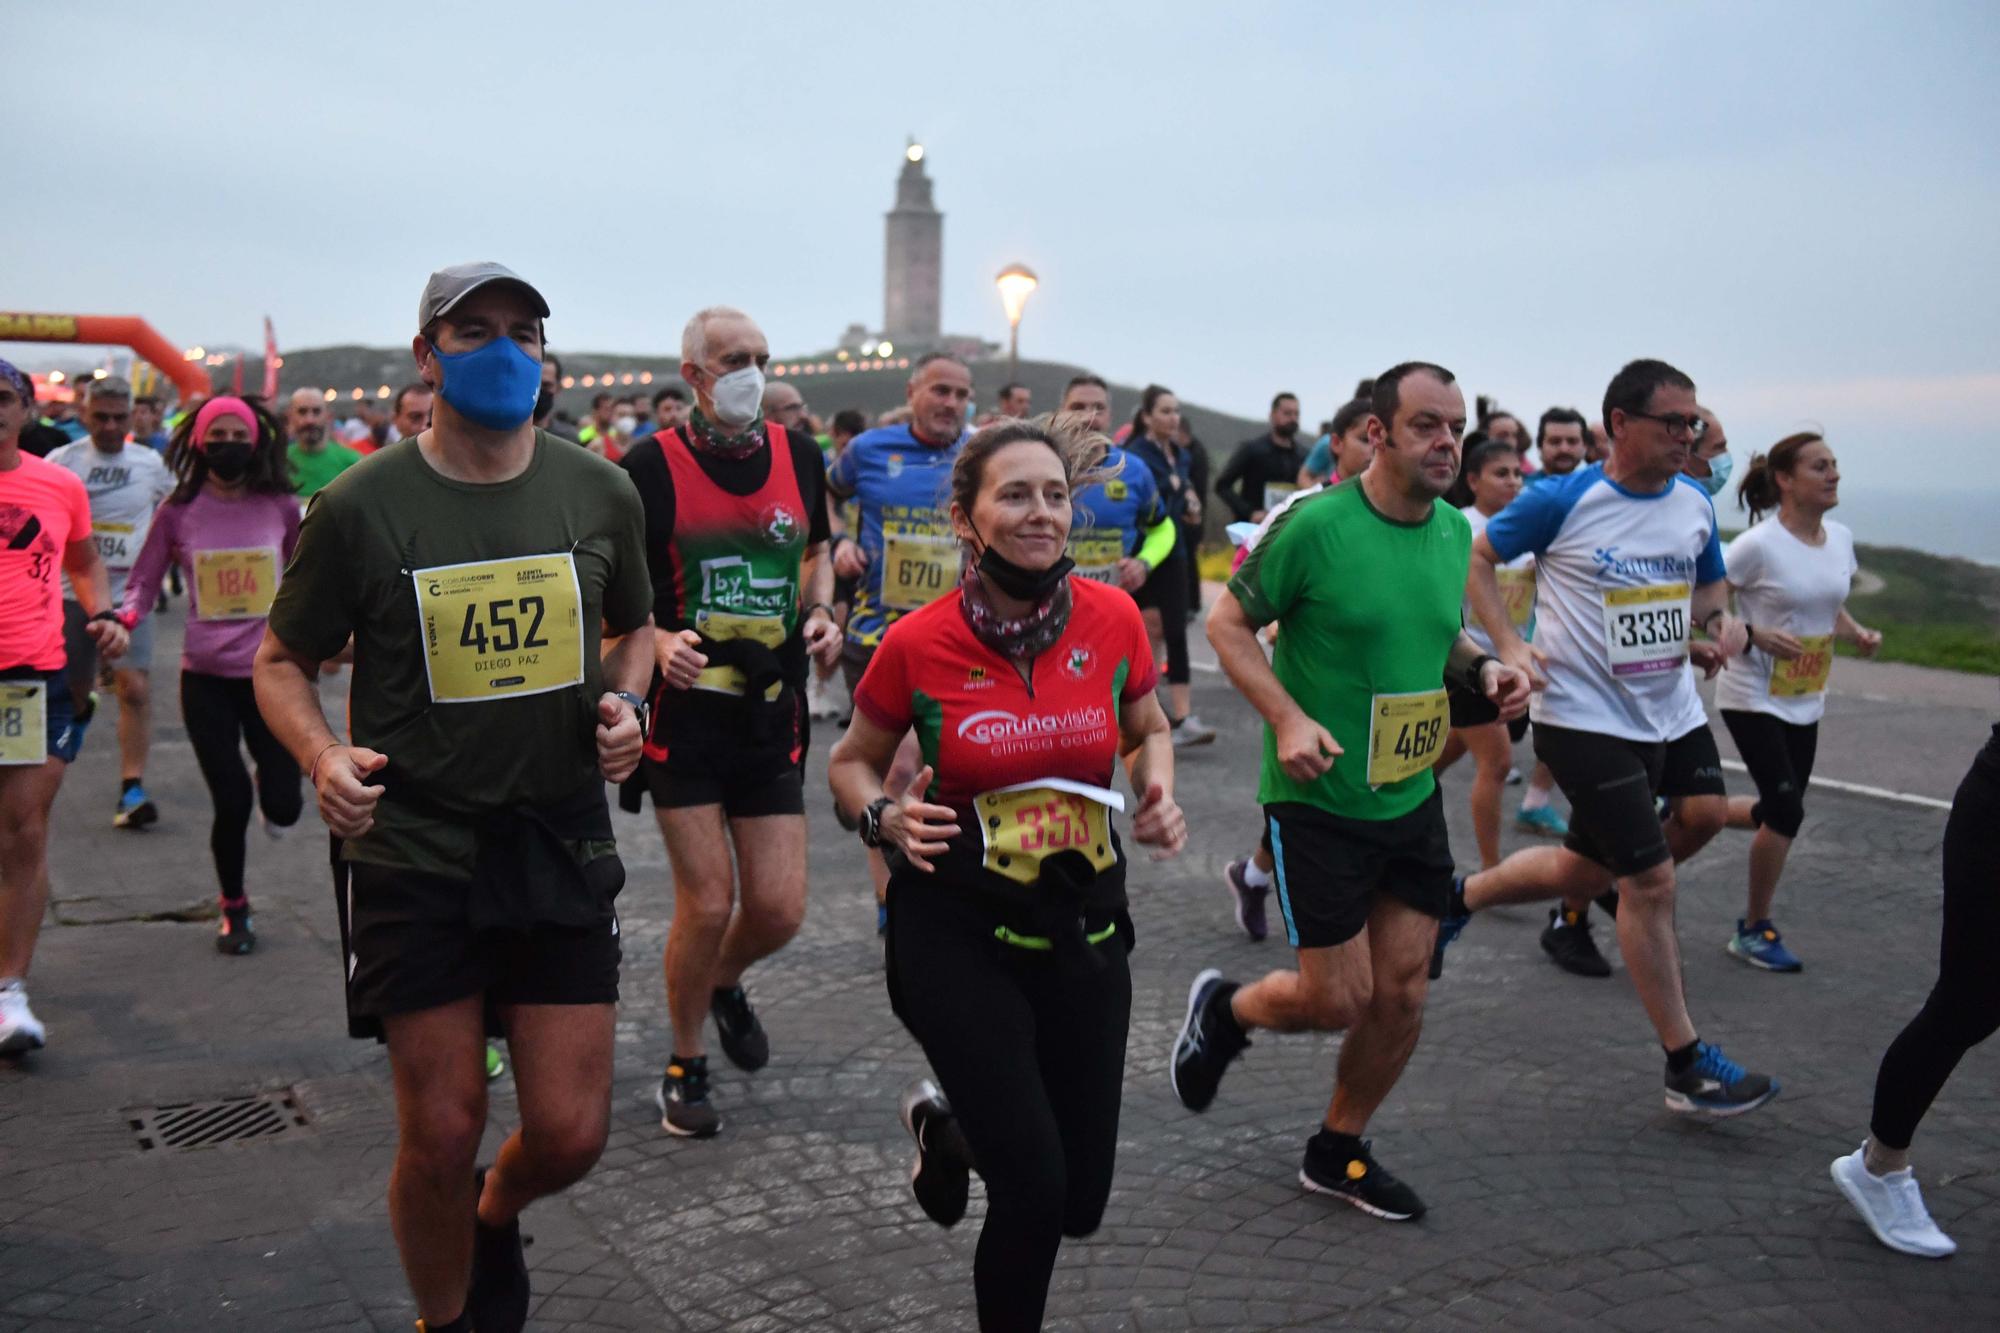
<point>215,408</point>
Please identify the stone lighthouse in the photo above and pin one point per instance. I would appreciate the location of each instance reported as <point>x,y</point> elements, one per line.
<point>913,263</point>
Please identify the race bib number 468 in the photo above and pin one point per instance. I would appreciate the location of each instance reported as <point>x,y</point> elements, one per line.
<point>500,629</point>
<point>1406,733</point>
<point>1646,628</point>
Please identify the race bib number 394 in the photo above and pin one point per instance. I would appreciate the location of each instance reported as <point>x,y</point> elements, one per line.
<point>24,722</point>
<point>1406,732</point>
<point>500,629</point>
<point>1646,628</point>
<point>235,585</point>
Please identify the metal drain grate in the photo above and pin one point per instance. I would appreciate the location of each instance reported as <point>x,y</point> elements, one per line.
<point>228,1120</point>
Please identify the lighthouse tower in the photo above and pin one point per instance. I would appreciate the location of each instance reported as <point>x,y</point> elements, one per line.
<point>913,258</point>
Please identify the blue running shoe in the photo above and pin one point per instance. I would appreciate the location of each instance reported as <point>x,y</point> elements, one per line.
<point>1543,823</point>
<point>1450,925</point>
<point>1760,945</point>
<point>1716,1086</point>
<point>135,809</point>
<point>881,919</point>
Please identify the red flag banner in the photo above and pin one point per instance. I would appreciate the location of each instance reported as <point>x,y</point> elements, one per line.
<point>271,362</point>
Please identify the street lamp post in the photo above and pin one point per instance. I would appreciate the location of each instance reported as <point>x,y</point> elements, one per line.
<point>1015,282</point>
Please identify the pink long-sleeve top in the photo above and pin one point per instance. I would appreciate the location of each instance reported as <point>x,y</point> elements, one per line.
<point>231,551</point>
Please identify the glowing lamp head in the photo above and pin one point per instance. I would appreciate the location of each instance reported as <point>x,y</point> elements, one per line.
<point>1015,282</point>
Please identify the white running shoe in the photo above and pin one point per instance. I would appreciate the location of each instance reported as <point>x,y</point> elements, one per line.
<point>20,1030</point>
<point>820,701</point>
<point>1190,730</point>
<point>1892,1206</point>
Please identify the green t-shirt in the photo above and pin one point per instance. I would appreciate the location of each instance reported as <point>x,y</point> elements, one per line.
<point>480,683</point>
<point>1367,610</point>
<point>312,470</point>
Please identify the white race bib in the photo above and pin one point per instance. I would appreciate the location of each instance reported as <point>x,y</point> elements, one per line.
<point>1646,628</point>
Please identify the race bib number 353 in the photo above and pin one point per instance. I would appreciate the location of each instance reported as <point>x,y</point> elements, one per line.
<point>1646,628</point>
<point>1021,825</point>
<point>1406,732</point>
<point>499,629</point>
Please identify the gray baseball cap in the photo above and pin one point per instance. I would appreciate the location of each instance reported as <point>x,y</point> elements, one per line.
<point>449,286</point>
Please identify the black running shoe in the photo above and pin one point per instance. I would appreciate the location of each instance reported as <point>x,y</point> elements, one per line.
<point>1567,940</point>
<point>1456,914</point>
<point>683,1100</point>
<point>1608,901</point>
<point>1208,1042</point>
<point>235,935</point>
<point>941,1177</point>
<point>497,1300</point>
<point>1360,1180</point>
<point>1716,1086</point>
<point>743,1039</point>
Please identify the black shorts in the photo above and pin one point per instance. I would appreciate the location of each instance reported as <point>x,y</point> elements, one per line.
<point>1612,784</point>
<point>708,762</point>
<point>1329,867</point>
<point>1779,755</point>
<point>409,945</point>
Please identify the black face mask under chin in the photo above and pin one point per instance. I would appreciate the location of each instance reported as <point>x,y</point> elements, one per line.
<point>1029,585</point>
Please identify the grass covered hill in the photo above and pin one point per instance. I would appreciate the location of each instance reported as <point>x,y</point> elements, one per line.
<point>1932,610</point>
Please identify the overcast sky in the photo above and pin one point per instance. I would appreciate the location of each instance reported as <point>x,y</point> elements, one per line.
<point>1795,203</point>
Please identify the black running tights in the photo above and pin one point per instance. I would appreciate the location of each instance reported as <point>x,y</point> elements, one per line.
<point>1166,591</point>
<point>1032,1058</point>
<point>221,716</point>
<point>1964,1006</point>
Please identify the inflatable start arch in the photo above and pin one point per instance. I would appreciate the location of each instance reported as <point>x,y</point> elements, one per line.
<point>120,330</point>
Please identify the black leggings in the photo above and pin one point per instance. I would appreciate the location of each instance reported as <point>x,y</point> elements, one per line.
<point>1166,590</point>
<point>1779,755</point>
<point>1964,1006</point>
<point>1032,1058</point>
<point>220,713</point>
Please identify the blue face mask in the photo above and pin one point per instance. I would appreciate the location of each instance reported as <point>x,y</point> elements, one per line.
<point>494,386</point>
<point>1719,468</point>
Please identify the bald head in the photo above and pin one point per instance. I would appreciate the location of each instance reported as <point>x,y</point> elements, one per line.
<point>715,323</point>
<point>784,405</point>
<point>305,418</point>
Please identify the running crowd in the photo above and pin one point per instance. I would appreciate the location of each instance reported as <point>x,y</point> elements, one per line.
<point>667,609</point>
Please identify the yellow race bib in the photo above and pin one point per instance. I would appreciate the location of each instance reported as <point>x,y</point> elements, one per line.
<point>1405,734</point>
<point>1646,628</point>
<point>117,543</point>
<point>1517,590</point>
<point>1276,493</point>
<point>919,565</point>
<point>724,625</point>
<point>1805,674</point>
<point>501,629</point>
<point>1020,825</point>
<point>235,584</point>
<point>1097,555</point>
<point>24,722</point>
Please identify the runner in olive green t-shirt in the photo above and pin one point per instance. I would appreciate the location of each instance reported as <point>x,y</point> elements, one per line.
<point>1365,581</point>
<point>478,568</point>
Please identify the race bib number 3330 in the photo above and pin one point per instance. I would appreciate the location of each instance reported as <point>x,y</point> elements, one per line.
<point>1646,628</point>
<point>500,629</point>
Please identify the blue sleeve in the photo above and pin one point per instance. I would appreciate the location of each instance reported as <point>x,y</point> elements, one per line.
<point>1532,521</point>
<point>1146,498</point>
<point>1709,566</point>
<point>1319,459</point>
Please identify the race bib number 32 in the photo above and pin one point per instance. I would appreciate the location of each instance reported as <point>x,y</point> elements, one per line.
<point>1646,628</point>
<point>24,722</point>
<point>1805,674</point>
<point>235,585</point>
<point>1405,734</point>
<point>919,565</point>
<point>499,629</point>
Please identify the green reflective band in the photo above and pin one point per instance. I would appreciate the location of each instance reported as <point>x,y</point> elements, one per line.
<point>1006,936</point>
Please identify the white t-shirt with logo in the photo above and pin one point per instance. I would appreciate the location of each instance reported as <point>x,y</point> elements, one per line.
<point>125,488</point>
<point>1615,571</point>
<point>1782,583</point>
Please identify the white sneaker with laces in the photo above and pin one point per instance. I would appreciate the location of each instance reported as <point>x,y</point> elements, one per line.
<point>1192,731</point>
<point>20,1030</point>
<point>1892,1206</point>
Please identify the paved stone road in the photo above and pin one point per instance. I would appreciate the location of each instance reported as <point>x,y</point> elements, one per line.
<point>1561,1192</point>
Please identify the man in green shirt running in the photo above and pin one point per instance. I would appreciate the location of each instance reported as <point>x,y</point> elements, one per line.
<point>1365,581</point>
<point>483,570</point>
<point>316,459</point>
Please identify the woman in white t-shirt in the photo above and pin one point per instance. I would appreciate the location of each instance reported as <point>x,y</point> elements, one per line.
<point>1790,572</point>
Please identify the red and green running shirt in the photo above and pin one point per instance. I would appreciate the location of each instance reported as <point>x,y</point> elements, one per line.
<point>982,727</point>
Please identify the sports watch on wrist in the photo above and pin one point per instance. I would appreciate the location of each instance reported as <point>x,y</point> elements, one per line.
<point>871,821</point>
<point>639,710</point>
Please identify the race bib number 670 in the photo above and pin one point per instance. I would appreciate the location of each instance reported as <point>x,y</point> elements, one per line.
<point>500,629</point>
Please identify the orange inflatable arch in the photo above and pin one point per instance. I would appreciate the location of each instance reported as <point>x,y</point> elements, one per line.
<point>119,330</point>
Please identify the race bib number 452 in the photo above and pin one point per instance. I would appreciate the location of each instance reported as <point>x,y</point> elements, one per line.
<point>1406,732</point>
<point>919,565</point>
<point>500,629</point>
<point>1646,628</point>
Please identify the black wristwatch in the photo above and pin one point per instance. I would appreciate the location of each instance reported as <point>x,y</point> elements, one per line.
<point>1479,665</point>
<point>639,710</point>
<point>871,821</point>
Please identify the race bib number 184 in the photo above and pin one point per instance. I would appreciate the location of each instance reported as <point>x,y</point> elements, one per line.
<point>236,584</point>
<point>499,629</point>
